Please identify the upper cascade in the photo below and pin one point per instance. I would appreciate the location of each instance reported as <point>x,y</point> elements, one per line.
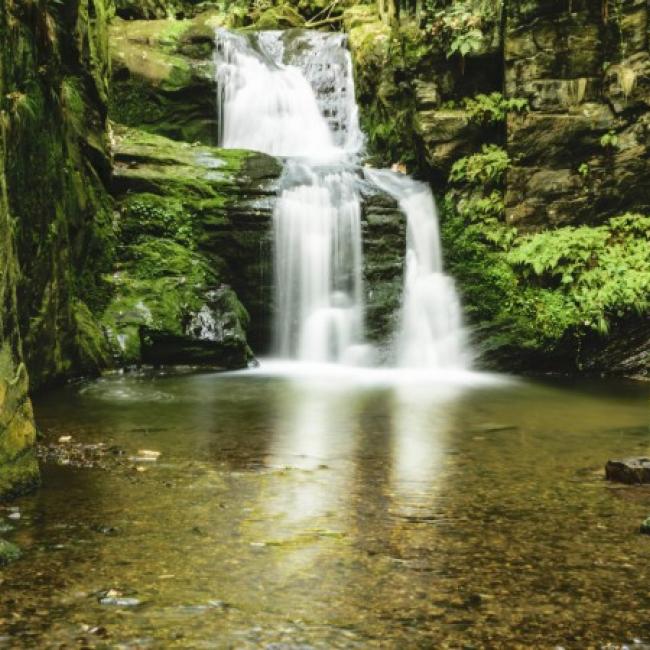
<point>287,93</point>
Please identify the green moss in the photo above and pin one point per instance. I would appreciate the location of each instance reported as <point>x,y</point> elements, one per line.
<point>91,349</point>
<point>19,476</point>
<point>8,552</point>
<point>281,16</point>
<point>149,215</point>
<point>162,79</point>
<point>18,467</point>
<point>385,57</point>
<point>166,158</point>
<point>58,143</point>
<point>135,103</point>
<point>172,192</point>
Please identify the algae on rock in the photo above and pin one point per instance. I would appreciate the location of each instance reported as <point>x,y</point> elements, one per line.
<point>163,76</point>
<point>55,233</point>
<point>188,257</point>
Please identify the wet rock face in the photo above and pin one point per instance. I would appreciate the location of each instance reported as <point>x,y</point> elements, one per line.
<point>567,169</point>
<point>384,242</point>
<point>632,471</point>
<point>627,355</point>
<point>194,278</point>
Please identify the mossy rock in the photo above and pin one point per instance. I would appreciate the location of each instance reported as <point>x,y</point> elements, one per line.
<point>18,466</point>
<point>283,16</point>
<point>8,552</point>
<point>57,141</point>
<point>163,76</point>
<point>190,251</point>
<point>19,475</point>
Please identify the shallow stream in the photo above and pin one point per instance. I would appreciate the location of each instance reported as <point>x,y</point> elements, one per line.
<point>287,511</point>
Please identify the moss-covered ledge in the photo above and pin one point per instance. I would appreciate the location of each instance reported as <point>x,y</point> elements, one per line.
<point>163,76</point>
<point>193,224</point>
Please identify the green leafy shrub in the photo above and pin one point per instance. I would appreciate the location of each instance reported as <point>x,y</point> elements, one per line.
<point>609,140</point>
<point>489,212</point>
<point>486,168</point>
<point>541,292</point>
<point>493,108</point>
<point>602,272</point>
<point>463,26</point>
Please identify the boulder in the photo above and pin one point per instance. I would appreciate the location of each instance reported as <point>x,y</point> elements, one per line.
<point>632,471</point>
<point>163,76</point>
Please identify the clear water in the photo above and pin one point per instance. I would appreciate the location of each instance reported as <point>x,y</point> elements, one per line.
<point>330,510</point>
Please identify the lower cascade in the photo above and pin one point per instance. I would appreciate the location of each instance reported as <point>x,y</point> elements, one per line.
<point>431,334</point>
<point>318,265</point>
<point>291,95</point>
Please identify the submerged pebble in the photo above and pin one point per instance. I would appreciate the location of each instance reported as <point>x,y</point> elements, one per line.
<point>645,527</point>
<point>119,601</point>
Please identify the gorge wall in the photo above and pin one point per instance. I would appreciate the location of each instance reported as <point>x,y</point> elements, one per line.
<point>55,214</point>
<point>530,119</point>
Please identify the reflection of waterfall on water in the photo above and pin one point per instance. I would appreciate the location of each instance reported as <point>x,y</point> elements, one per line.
<point>292,94</point>
<point>422,422</point>
<point>312,447</point>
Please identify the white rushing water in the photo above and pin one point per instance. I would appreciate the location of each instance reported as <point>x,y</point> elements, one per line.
<point>291,94</point>
<point>299,103</point>
<point>431,331</point>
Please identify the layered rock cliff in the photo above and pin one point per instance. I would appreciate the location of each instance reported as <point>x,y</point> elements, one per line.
<point>218,203</point>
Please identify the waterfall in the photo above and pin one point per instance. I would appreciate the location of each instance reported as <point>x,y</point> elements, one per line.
<point>291,94</point>
<point>318,265</point>
<point>298,103</point>
<point>287,101</point>
<point>431,334</point>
